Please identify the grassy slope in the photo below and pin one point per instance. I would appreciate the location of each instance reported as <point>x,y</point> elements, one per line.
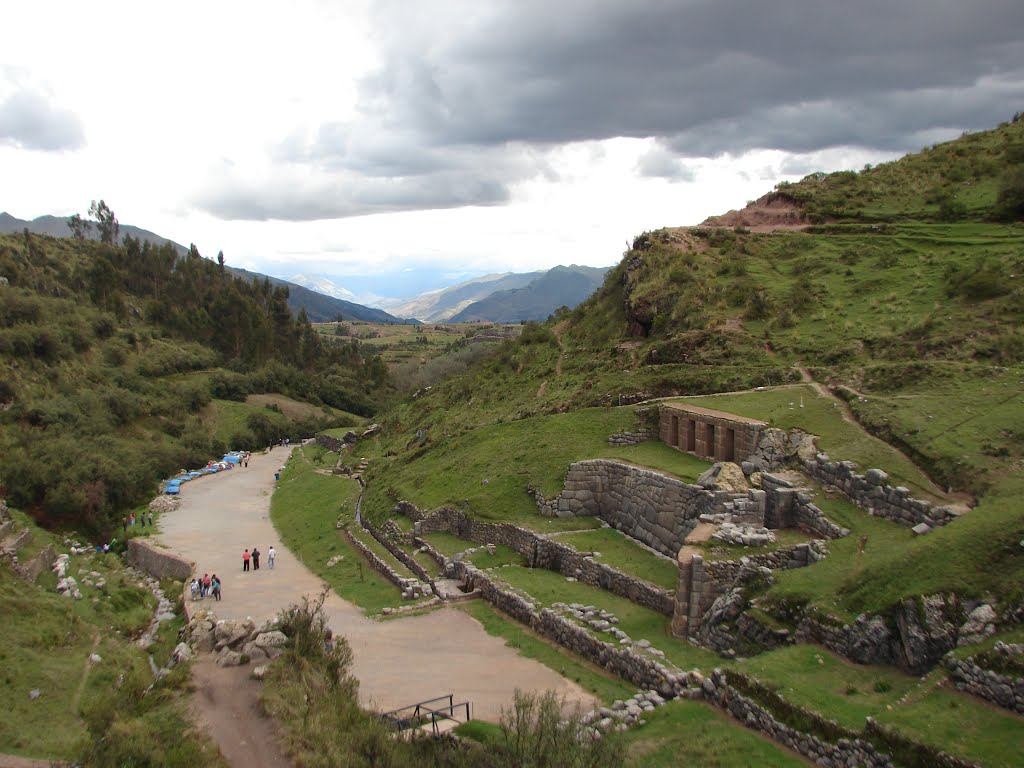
<point>304,508</point>
<point>45,645</point>
<point>884,301</point>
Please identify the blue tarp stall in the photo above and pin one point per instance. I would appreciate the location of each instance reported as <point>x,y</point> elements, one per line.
<point>232,458</point>
<point>172,486</point>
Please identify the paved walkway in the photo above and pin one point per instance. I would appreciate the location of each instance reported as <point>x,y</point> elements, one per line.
<point>399,661</point>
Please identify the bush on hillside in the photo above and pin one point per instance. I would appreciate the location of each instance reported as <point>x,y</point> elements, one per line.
<point>1010,197</point>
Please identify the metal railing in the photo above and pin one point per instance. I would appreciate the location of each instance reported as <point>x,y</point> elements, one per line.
<point>429,712</point>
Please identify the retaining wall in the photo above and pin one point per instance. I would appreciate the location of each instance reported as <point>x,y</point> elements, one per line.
<point>335,444</point>
<point>158,563</point>
<point>1000,689</point>
<point>701,583</point>
<point>649,506</point>
<point>790,507</point>
<point>872,492</point>
<point>403,557</point>
<point>411,588</point>
<point>543,553</point>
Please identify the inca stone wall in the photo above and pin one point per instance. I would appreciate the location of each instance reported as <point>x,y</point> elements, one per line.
<point>789,507</point>
<point>159,563</point>
<point>847,748</point>
<point>649,506</point>
<point>543,553</point>
<point>410,588</point>
<point>335,444</point>
<point>632,438</point>
<point>399,553</point>
<point>1000,689</point>
<point>708,433</point>
<point>871,491</point>
<point>701,583</point>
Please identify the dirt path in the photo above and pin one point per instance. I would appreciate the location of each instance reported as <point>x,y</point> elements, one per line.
<point>848,415</point>
<point>225,704</point>
<point>398,661</point>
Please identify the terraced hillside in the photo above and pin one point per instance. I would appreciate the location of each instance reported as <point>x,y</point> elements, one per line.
<point>885,318</point>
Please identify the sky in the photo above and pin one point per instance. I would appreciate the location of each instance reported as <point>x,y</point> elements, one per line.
<point>401,146</point>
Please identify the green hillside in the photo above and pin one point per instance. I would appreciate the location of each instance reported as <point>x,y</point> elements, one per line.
<point>913,320</point>
<point>110,359</point>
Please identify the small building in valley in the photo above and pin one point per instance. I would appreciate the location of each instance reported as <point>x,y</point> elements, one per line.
<point>707,433</point>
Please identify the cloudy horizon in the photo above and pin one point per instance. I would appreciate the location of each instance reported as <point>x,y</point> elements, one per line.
<point>395,145</point>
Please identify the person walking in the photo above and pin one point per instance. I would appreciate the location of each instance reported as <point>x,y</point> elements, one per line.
<point>131,519</point>
<point>207,583</point>
<point>255,559</point>
<point>150,519</point>
<point>215,584</point>
<point>124,524</point>
<point>245,561</point>
<point>271,557</point>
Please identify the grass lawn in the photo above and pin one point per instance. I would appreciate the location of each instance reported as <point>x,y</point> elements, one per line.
<point>657,455</point>
<point>623,553</point>
<point>603,685</point>
<point>486,471</point>
<point>304,508</point>
<point>450,545</point>
<point>813,677</point>
<point>690,733</point>
<point>959,724</point>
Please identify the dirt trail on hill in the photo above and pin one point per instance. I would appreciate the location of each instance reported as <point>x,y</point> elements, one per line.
<point>397,662</point>
<point>848,415</point>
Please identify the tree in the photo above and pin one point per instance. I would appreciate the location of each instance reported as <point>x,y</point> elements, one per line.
<point>220,260</point>
<point>106,221</point>
<point>79,227</point>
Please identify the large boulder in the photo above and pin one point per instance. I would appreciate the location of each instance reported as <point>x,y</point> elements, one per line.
<point>981,623</point>
<point>724,476</point>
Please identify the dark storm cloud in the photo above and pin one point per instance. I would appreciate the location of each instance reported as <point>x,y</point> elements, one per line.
<point>29,121</point>
<point>549,73</point>
<point>469,96</point>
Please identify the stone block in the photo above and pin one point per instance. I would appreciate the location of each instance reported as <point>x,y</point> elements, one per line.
<point>921,529</point>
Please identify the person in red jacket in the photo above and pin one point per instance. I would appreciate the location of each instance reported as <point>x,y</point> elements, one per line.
<point>245,560</point>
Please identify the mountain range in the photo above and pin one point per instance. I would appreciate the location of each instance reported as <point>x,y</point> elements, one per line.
<point>508,297</point>
<point>319,308</point>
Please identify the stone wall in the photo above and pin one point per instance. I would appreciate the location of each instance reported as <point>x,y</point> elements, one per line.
<point>707,433</point>
<point>1000,689</point>
<point>872,492</point>
<point>790,507</point>
<point>914,635</point>
<point>632,438</point>
<point>845,750</point>
<point>634,667</point>
<point>702,583</point>
<point>543,553</point>
<point>158,563</point>
<point>410,588</point>
<point>399,553</point>
<point>841,747</point>
<point>651,507</point>
<point>39,564</point>
<point>335,444</point>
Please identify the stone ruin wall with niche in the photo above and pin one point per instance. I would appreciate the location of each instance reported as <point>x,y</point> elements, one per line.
<point>709,434</point>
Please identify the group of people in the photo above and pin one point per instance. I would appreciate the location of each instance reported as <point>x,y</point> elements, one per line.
<point>129,520</point>
<point>254,556</point>
<point>208,585</point>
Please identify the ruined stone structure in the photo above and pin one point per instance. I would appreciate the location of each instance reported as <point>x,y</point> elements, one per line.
<point>652,507</point>
<point>709,434</point>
